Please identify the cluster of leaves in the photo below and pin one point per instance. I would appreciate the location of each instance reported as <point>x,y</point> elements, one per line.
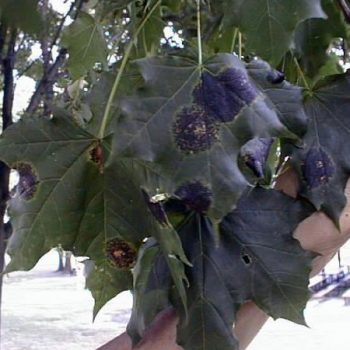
<point>161,172</point>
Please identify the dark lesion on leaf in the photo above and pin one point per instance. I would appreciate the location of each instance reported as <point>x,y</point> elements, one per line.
<point>121,253</point>
<point>96,155</point>
<point>195,195</point>
<point>28,181</point>
<point>224,95</point>
<point>318,168</point>
<point>194,130</point>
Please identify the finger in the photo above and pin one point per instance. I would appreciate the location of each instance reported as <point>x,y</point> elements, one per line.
<point>249,321</point>
<point>161,335</point>
<point>319,234</point>
<point>121,342</point>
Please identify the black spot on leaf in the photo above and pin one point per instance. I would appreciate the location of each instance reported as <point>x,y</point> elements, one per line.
<point>156,208</point>
<point>28,181</point>
<point>318,168</point>
<point>121,254</point>
<point>224,95</point>
<point>255,153</point>
<point>194,130</point>
<point>275,76</point>
<point>195,195</point>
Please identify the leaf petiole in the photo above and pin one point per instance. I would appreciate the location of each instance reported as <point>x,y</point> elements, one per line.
<point>199,33</point>
<point>301,74</point>
<point>121,70</point>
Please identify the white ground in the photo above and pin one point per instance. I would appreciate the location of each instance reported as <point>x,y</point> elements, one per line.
<point>43,310</point>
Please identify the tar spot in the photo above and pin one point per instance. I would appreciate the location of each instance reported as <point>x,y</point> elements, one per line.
<point>121,254</point>
<point>255,153</point>
<point>28,181</point>
<point>223,96</point>
<point>156,208</point>
<point>318,168</point>
<point>96,156</point>
<point>275,77</point>
<point>195,196</point>
<point>194,130</point>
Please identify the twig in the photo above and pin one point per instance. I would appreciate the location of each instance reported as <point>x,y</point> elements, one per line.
<point>47,56</point>
<point>344,5</point>
<point>8,64</point>
<point>60,26</point>
<point>48,79</point>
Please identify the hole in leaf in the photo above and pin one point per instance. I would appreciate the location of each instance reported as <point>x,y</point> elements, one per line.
<point>223,96</point>
<point>194,130</point>
<point>121,253</point>
<point>28,181</point>
<point>195,195</point>
<point>246,259</point>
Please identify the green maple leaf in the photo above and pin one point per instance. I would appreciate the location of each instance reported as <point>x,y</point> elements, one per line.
<point>67,194</point>
<point>152,284</point>
<point>323,161</point>
<point>269,25</point>
<point>201,116</point>
<point>286,98</point>
<point>314,36</point>
<point>254,257</point>
<point>85,43</point>
<point>22,14</point>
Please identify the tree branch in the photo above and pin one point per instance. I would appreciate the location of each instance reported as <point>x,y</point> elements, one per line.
<point>60,26</point>
<point>344,5</point>
<point>3,32</point>
<point>47,57</point>
<point>49,78</point>
<point>8,63</point>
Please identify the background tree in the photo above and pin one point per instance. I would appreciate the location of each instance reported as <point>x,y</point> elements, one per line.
<point>154,137</point>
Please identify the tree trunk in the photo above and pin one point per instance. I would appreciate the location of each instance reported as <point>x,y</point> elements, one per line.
<point>68,263</point>
<point>7,65</point>
<point>60,252</point>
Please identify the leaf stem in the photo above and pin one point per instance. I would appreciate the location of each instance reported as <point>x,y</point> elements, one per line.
<point>240,45</point>
<point>121,70</point>
<point>235,33</point>
<point>199,33</point>
<point>301,74</point>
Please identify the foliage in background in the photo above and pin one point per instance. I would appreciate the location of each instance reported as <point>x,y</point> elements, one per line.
<point>152,141</point>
